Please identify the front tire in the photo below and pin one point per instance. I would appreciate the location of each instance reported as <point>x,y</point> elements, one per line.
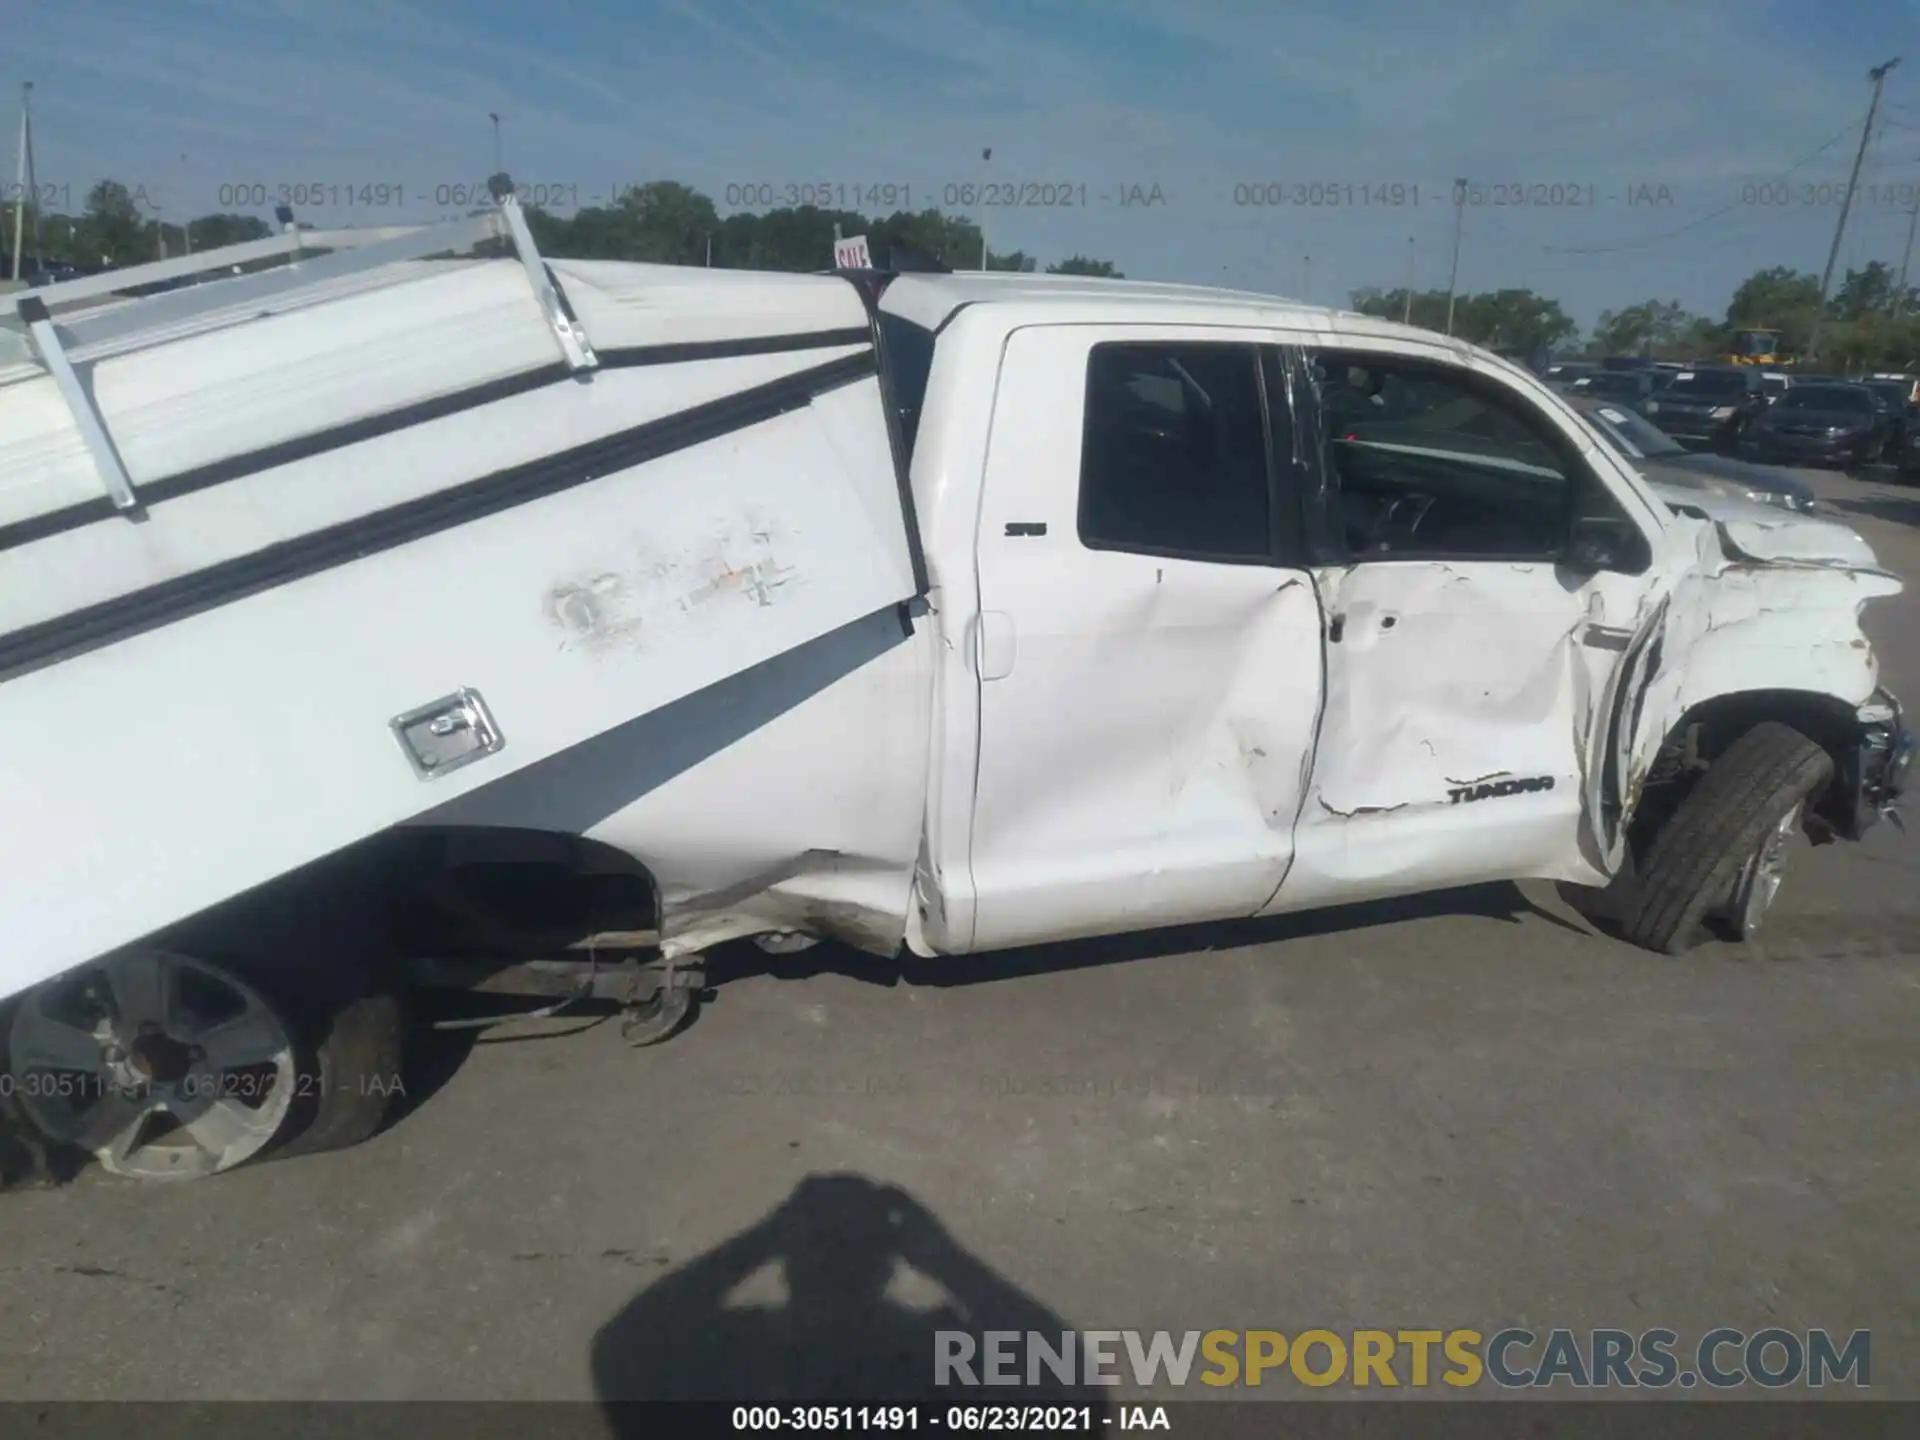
<point>1719,856</point>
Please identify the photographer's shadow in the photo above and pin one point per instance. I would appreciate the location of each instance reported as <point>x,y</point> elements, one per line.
<point>842,1290</point>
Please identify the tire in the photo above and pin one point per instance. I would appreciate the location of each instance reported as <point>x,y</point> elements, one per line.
<point>349,1078</point>
<point>313,995</point>
<point>329,971</point>
<point>1697,857</point>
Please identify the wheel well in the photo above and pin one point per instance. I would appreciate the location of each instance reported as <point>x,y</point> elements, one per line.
<point>1708,728</point>
<point>447,890</point>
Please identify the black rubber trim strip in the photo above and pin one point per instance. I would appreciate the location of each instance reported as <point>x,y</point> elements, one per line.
<point>896,440</point>
<point>117,619</point>
<point>964,304</point>
<point>321,442</point>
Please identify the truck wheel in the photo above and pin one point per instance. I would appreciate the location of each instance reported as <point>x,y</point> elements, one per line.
<point>1719,858</point>
<point>166,1066</point>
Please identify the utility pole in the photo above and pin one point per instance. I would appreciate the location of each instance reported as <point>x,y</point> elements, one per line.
<point>1878,75</point>
<point>26,178</point>
<point>1406,311</point>
<point>499,165</point>
<point>985,156</point>
<point>1453,273</point>
<point>1900,290</point>
<point>1306,279</point>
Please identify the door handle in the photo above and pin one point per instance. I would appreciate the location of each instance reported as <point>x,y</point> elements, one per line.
<point>1336,627</point>
<point>994,644</point>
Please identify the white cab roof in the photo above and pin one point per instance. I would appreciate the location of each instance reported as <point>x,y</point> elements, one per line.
<point>930,300</point>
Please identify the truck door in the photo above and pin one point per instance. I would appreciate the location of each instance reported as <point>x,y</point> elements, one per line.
<point>1472,645</point>
<point>300,646</point>
<point>1148,646</point>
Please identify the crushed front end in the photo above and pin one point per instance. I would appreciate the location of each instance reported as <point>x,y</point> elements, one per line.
<point>1873,775</point>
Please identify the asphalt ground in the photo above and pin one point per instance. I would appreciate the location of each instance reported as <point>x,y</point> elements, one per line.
<point>1461,1111</point>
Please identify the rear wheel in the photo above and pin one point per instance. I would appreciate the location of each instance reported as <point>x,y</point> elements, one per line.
<point>169,1066</point>
<point>1718,860</point>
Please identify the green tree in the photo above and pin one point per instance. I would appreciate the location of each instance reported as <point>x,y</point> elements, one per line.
<point>210,232</point>
<point>1427,310</point>
<point>1780,298</point>
<point>1511,319</point>
<point>662,221</point>
<point>1653,327</point>
<point>1516,319</point>
<point>1864,292</point>
<point>1078,264</point>
<point>953,241</point>
<point>113,231</point>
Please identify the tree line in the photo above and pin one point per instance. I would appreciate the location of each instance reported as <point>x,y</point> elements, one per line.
<point>664,221</point>
<point>1868,323</point>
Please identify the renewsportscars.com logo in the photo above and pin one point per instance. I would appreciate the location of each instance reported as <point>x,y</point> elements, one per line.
<point>1514,1358</point>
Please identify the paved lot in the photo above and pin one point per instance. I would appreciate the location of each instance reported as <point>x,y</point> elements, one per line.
<point>1464,1112</point>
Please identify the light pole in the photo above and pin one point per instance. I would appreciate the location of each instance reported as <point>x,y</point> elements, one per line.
<point>1406,311</point>
<point>1453,273</point>
<point>1900,290</point>
<point>499,165</point>
<point>1878,75</point>
<point>26,178</point>
<point>985,156</point>
<point>1306,279</point>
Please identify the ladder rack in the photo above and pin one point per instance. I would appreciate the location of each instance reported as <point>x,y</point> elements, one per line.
<point>118,326</point>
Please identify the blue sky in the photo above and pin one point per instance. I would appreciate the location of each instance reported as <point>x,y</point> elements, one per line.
<point>1615,99</point>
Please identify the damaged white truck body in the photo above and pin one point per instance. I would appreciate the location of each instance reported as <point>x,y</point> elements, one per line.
<point>381,621</point>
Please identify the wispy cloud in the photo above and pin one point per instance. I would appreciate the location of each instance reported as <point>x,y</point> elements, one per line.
<point>1198,97</point>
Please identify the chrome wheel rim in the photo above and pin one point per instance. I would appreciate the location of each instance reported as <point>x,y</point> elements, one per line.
<point>1760,877</point>
<point>160,1066</point>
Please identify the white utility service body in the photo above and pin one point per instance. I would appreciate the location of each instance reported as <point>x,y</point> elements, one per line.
<point>825,652</point>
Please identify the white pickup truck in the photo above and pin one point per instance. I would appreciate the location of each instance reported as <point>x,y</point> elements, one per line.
<point>383,620</point>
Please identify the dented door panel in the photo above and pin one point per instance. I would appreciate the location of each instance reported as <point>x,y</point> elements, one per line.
<point>1467,702</point>
<point>1145,722</point>
<point>1460,700</point>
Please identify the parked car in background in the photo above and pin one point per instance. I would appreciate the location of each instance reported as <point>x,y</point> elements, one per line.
<point>1824,424</point>
<point>1908,461</point>
<point>1896,399</point>
<point>1708,407</point>
<point>1627,387</point>
<point>1665,461</point>
<point>1562,373</point>
<point>1774,384</point>
<point>1909,385</point>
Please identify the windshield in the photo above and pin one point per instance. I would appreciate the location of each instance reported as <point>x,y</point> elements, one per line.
<point>1708,383</point>
<point>1828,397</point>
<point>1624,385</point>
<point>1892,394</point>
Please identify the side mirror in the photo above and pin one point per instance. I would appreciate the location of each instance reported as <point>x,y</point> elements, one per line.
<point>1604,542</point>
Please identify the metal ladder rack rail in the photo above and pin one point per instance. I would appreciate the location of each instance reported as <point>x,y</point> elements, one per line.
<point>152,319</point>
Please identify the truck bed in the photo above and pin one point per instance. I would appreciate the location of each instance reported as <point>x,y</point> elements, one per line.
<point>372,494</point>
